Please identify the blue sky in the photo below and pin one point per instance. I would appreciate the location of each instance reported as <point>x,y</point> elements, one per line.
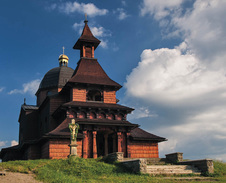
<point>168,55</point>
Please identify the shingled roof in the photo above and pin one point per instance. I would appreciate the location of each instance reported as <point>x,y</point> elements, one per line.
<point>97,105</point>
<point>139,134</point>
<point>63,130</point>
<point>86,36</point>
<point>56,77</point>
<point>89,71</point>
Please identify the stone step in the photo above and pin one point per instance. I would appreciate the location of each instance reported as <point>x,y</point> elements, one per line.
<point>172,169</point>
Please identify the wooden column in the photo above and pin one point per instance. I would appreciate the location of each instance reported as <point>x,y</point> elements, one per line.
<point>94,144</point>
<point>85,144</point>
<point>119,141</point>
<point>92,51</point>
<point>105,144</point>
<point>83,51</point>
<point>128,145</point>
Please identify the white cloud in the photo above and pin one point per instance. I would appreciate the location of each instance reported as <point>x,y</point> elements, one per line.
<point>100,32</point>
<point>104,43</point>
<point>167,76</point>
<point>141,112</point>
<point>160,8</point>
<point>1,89</point>
<point>121,13</point>
<point>90,9</point>
<point>124,3</point>
<point>2,143</point>
<point>185,86</point>
<point>14,143</point>
<point>30,87</point>
<point>51,7</point>
<point>78,27</point>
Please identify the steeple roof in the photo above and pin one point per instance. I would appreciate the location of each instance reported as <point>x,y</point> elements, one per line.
<point>89,71</point>
<point>87,37</point>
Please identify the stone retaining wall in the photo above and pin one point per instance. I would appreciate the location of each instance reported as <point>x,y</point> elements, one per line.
<point>204,165</point>
<point>174,157</point>
<point>136,166</point>
<point>112,157</point>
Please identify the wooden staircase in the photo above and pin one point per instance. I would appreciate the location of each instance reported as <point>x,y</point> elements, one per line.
<point>172,169</point>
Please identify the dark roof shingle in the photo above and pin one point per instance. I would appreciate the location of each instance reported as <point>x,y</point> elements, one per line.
<point>97,105</point>
<point>89,71</point>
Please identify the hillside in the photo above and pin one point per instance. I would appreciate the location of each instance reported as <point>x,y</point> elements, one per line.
<point>94,170</point>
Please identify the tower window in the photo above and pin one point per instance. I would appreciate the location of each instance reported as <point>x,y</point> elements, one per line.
<point>94,95</point>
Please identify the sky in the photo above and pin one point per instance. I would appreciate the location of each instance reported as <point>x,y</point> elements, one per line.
<point>169,56</point>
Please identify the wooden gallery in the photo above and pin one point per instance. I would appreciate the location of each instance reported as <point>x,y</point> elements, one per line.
<point>87,95</point>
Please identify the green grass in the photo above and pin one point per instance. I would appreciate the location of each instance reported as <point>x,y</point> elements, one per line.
<point>92,170</point>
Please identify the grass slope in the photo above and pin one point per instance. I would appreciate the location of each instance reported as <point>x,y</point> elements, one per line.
<point>91,170</point>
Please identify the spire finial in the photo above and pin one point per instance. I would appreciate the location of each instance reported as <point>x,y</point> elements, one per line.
<point>24,101</point>
<point>63,49</point>
<point>85,19</point>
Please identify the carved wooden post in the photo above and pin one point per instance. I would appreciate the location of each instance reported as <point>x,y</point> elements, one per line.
<point>128,145</point>
<point>94,144</point>
<point>119,141</point>
<point>85,144</point>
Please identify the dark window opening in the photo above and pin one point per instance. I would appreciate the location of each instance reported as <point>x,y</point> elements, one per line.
<point>111,116</point>
<point>94,95</point>
<point>92,115</point>
<point>102,116</point>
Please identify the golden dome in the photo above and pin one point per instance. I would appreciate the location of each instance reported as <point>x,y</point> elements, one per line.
<point>63,60</point>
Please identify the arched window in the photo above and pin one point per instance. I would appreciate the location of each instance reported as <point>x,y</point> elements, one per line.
<point>102,116</point>
<point>94,95</point>
<point>111,116</point>
<point>82,115</point>
<point>92,115</point>
<point>120,116</point>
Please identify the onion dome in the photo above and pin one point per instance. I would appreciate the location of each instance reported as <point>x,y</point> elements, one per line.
<point>63,60</point>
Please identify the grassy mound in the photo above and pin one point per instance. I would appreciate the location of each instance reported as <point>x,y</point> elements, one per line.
<point>89,170</point>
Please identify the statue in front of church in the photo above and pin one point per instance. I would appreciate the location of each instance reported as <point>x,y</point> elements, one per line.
<point>74,132</point>
<point>73,129</point>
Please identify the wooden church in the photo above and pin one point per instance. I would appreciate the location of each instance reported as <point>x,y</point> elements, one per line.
<point>87,95</point>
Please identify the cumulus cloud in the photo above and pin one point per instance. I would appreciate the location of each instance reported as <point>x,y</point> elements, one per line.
<point>90,9</point>
<point>166,76</point>
<point>185,86</point>
<point>14,143</point>
<point>2,143</point>
<point>159,9</point>
<point>30,87</point>
<point>121,13</point>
